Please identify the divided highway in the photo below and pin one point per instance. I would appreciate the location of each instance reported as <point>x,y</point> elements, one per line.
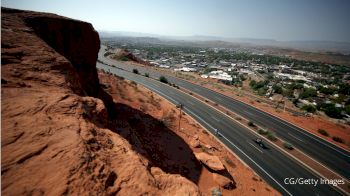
<point>325,152</point>
<point>272,165</point>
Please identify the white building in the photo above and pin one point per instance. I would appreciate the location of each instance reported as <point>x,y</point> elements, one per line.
<point>220,75</point>
<point>186,69</point>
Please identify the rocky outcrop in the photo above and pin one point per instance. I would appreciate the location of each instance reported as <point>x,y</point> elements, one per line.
<point>213,162</point>
<point>125,55</point>
<point>56,138</point>
<point>77,41</point>
<point>223,181</point>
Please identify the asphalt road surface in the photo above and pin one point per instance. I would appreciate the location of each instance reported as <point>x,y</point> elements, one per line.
<point>324,152</point>
<point>272,165</point>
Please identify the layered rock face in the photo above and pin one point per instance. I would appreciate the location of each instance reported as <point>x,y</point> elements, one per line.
<point>75,40</point>
<point>56,138</point>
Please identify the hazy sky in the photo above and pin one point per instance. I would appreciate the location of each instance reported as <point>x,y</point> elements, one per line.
<point>271,19</point>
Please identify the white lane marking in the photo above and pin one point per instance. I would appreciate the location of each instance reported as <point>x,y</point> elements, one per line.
<point>296,137</point>
<point>215,119</point>
<point>156,85</point>
<point>190,102</point>
<point>189,111</point>
<point>255,147</point>
<point>218,98</point>
<point>248,113</point>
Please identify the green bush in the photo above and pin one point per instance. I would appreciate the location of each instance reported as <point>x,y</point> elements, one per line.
<point>309,108</point>
<point>347,109</point>
<point>147,75</point>
<point>338,139</point>
<point>163,79</point>
<point>308,92</point>
<point>323,132</point>
<point>288,146</point>
<point>271,136</point>
<point>251,124</point>
<point>263,132</point>
<point>331,110</point>
<point>122,58</point>
<point>135,71</point>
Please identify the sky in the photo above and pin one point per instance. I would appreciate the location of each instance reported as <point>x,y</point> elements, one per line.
<point>282,20</point>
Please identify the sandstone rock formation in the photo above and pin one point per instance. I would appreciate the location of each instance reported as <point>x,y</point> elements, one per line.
<point>213,162</point>
<point>223,181</point>
<point>56,134</point>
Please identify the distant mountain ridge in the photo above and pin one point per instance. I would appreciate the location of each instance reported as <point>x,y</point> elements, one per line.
<point>305,45</point>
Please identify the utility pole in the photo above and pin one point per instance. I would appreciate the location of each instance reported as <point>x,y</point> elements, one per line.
<point>180,106</point>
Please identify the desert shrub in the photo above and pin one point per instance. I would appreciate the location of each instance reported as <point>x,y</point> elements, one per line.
<point>147,75</point>
<point>135,71</point>
<point>323,132</point>
<point>216,192</point>
<point>163,79</point>
<point>309,108</point>
<point>203,148</point>
<point>251,124</point>
<point>122,58</point>
<point>271,136</point>
<point>288,146</point>
<point>263,131</point>
<point>331,110</point>
<point>120,77</point>
<point>308,92</point>
<point>229,162</point>
<point>338,139</point>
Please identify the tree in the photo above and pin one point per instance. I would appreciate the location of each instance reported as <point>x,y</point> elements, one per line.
<point>331,110</point>
<point>277,89</point>
<point>135,71</point>
<point>163,79</point>
<point>252,83</point>
<point>347,109</point>
<point>308,92</point>
<point>257,85</point>
<point>344,89</point>
<point>327,91</point>
<point>309,108</point>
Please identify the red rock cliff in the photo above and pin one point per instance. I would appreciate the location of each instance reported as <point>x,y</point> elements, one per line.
<point>75,40</point>
<point>55,138</point>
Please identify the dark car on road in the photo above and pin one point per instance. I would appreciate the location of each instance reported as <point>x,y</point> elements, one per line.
<point>260,143</point>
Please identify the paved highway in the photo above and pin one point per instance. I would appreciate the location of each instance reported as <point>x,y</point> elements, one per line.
<point>326,153</point>
<point>272,165</point>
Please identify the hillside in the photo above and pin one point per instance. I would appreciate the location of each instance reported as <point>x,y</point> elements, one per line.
<point>69,130</point>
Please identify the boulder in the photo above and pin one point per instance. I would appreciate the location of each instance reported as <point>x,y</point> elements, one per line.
<point>195,143</point>
<point>213,162</point>
<point>223,181</point>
